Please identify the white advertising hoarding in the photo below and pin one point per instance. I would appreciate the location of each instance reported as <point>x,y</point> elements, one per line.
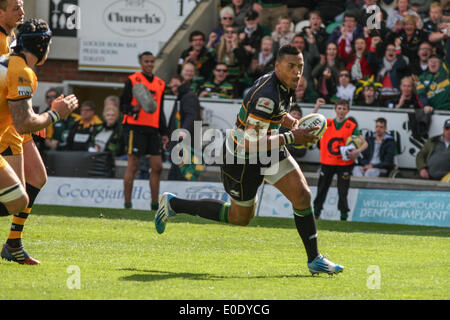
<point>114,32</point>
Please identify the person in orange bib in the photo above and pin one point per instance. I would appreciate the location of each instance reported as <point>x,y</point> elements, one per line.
<point>331,162</point>
<point>146,133</point>
<point>18,82</point>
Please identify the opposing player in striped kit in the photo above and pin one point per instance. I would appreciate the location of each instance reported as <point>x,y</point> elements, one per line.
<point>18,82</point>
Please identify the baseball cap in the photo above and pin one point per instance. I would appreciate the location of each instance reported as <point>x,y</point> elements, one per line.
<point>447,123</point>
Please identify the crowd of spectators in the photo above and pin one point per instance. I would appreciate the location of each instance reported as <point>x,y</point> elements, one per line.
<point>344,44</point>
<point>392,57</point>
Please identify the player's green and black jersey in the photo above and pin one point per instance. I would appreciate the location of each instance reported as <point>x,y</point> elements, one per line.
<point>267,101</point>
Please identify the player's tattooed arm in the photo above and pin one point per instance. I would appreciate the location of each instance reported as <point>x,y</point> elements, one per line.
<point>26,121</point>
<point>24,118</point>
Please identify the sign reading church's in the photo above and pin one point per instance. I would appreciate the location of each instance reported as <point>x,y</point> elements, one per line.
<point>136,19</point>
<point>114,32</point>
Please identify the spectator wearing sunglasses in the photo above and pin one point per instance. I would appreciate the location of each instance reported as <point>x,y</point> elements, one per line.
<point>218,87</point>
<point>226,21</point>
<point>345,89</point>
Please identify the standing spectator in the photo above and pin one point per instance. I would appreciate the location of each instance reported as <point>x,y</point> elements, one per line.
<point>218,87</point>
<point>356,58</point>
<point>226,21</point>
<point>270,11</point>
<point>433,87</point>
<point>422,7</point>
<point>144,132</point>
<point>85,129</point>
<point>240,10</point>
<point>420,65</point>
<point>345,89</point>
<point>298,9</point>
<point>282,34</point>
<point>317,31</point>
<point>307,46</point>
<point>378,159</point>
<point>331,162</point>
<point>230,52</point>
<point>304,93</point>
<point>197,54</point>
<point>411,37</point>
<point>184,113</point>
<point>251,35</point>
<point>263,61</point>
<point>351,30</point>
<point>326,73</point>
<point>433,160</point>
<point>395,19</point>
<point>389,69</point>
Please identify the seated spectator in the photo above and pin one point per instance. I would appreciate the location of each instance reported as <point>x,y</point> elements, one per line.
<point>109,138</point>
<point>57,133</point>
<point>433,160</point>
<point>188,75</point>
<point>389,69</point>
<point>326,73</point>
<point>304,93</point>
<point>355,59</point>
<point>197,54</point>
<point>295,112</point>
<point>226,21</point>
<point>316,30</point>
<point>395,19</point>
<point>420,65</point>
<point>218,87</point>
<point>307,46</point>
<point>251,35</point>
<point>240,10</point>
<point>230,52</point>
<point>270,11</point>
<point>263,61</point>
<point>411,37</point>
<point>84,129</point>
<point>435,27</point>
<point>367,93</point>
<point>378,159</point>
<point>351,29</point>
<point>282,34</point>
<point>408,97</point>
<point>345,89</point>
<point>433,87</point>
<point>298,9</point>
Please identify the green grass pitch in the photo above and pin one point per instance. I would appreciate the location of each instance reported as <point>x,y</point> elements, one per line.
<point>119,255</point>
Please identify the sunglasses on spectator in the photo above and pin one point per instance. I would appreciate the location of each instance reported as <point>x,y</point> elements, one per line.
<point>344,75</point>
<point>227,18</point>
<point>51,97</point>
<point>230,31</point>
<point>221,70</point>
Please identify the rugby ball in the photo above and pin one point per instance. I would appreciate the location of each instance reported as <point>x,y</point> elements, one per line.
<point>310,121</point>
<point>355,140</point>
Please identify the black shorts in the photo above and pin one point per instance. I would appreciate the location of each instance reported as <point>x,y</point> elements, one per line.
<point>142,141</point>
<point>242,180</point>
